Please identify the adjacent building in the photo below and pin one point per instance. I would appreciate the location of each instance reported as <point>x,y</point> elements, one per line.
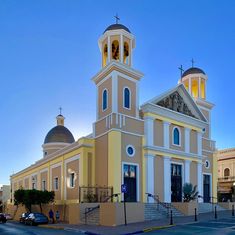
<point>152,148</point>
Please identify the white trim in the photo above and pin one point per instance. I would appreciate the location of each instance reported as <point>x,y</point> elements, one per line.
<point>43,170</point>
<point>114,92</point>
<point>115,129</point>
<point>199,180</point>
<point>74,158</point>
<point>102,102</point>
<point>187,171</point>
<point>121,48</point>
<point>172,151</point>
<point>149,158</point>
<point>148,130</point>
<point>187,139</point>
<point>166,133</point>
<point>172,136</point>
<point>137,178</point>
<point>123,97</point>
<point>133,148</point>
<point>137,99</point>
<point>167,179</point>
<point>109,51</point>
<point>199,143</point>
<point>54,188</point>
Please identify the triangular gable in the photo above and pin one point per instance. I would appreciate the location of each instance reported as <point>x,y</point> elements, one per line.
<point>179,100</point>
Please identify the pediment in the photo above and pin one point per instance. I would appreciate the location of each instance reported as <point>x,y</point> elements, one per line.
<point>175,102</point>
<point>179,100</point>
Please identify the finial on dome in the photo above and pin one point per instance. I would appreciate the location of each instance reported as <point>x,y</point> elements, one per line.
<point>60,118</point>
<point>192,61</point>
<point>117,18</point>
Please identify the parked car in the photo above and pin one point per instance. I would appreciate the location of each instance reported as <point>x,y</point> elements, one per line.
<point>3,219</point>
<point>36,218</point>
<point>23,217</point>
<point>8,216</point>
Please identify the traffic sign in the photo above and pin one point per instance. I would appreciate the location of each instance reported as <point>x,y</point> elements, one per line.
<point>124,188</point>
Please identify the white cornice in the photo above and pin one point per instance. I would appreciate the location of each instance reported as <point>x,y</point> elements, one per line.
<point>172,151</point>
<point>117,65</point>
<point>54,155</point>
<point>168,113</point>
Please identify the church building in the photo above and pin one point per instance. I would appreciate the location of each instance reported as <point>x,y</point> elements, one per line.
<point>152,148</point>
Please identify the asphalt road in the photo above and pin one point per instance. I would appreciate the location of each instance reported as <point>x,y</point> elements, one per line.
<point>212,227</point>
<point>11,228</point>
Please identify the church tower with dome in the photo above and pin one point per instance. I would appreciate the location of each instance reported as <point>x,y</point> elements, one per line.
<point>149,150</point>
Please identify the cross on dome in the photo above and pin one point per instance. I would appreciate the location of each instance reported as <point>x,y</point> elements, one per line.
<point>117,18</point>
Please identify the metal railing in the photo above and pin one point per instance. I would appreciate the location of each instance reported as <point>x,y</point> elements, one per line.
<point>227,178</point>
<point>94,193</point>
<point>165,205</point>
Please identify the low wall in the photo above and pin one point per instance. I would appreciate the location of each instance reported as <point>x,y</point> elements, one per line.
<point>112,214</point>
<point>227,205</point>
<point>186,208</point>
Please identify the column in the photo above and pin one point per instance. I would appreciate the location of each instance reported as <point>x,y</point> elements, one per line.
<point>199,87</point>
<point>166,126</point>
<point>199,181</point>
<point>199,143</point>
<point>190,86</point>
<point>148,130</point>
<point>187,171</point>
<point>114,92</point>
<point>167,179</point>
<point>109,50</point>
<point>187,139</point>
<point>121,48</point>
<point>150,175</point>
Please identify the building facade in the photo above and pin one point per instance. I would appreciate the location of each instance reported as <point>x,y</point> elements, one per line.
<point>226,174</point>
<point>152,148</point>
<point>4,196</point>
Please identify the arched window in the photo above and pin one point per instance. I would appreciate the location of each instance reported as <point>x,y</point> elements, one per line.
<point>126,98</point>
<point>115,50</point>
<point>105,54</point>
<point>104,99</point>
<point>126,53</point>
<point>176,136</point>
<point>226,172</point>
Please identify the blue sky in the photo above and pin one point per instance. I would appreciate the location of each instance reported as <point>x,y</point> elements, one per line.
<point>49,52</point>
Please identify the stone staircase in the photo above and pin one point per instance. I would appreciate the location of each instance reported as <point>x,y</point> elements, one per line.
<point>208,207</point>
<point>154,211</point>
<point>92,217</point>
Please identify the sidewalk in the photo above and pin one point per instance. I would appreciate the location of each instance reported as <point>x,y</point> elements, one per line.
<point>136,228</point>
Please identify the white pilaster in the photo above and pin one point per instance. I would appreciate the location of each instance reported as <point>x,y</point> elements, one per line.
<point>167,179</point>
<point>137,100</point>
<point>199,143</point>
<point>148,130</point>
<point>166,126</point>
<point>199,181</point>
<point>121,48</point>
<point>150,175</point>
<point>130,55</point>
<point>114,92</point>
<point>109,50</point>
<point>187,171</point>
<point>187,139</point>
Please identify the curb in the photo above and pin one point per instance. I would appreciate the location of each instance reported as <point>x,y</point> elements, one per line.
<point>51,227</point>
<point>149,229</point>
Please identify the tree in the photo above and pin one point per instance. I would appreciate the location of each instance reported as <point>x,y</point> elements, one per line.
<point>190,192</point>
<point>31,197</point>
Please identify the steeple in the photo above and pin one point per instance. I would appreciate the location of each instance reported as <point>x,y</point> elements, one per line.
<point>117,44</point>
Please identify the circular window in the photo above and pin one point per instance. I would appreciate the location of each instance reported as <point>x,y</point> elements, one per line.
<point>130,150</point>
<point>207,164</point>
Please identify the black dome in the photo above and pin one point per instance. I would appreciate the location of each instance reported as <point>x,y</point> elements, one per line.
<point>193,70</point>
<point>59,134</point>
<point>117,26</point>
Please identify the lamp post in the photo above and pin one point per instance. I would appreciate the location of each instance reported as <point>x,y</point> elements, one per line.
<point>233,192</point>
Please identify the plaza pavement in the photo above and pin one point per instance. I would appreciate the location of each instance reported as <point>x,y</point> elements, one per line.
<point>141,227</point>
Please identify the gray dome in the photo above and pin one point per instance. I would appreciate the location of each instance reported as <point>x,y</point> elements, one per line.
<point>117,26</point>
<point>193,70</point>
<point>59,134</point>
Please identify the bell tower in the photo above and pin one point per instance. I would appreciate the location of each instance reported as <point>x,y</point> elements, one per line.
<point>118,130</point>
